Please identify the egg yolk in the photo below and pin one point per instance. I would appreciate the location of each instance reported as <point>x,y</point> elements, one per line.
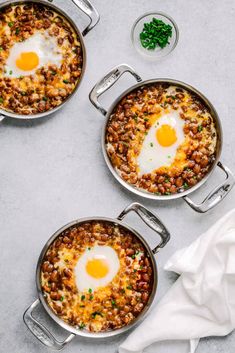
<point>27,61</point>
<point>166,135</point>
<point>97,268</point>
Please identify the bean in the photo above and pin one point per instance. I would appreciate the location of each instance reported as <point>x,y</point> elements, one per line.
<point>197,169</point>
<point>54,276</point>
<point>130,252</point>
<point>191,164</point>
<point>138,308</point>
<point>46,23</point>
<point>192,181</point>
<point>179,182</point>
<point>146,261</point>
<point>66,240</point>
<point>173,189</point>
<point>55,296</point>
<point>67,273</point>
<point>126,309</point>
<point>60,41</point>
<point>197,156</point>
<point>145,277</point>
<point>144,296</point>
<point>204,161</point>
<point>161,189</point>
<point>58,308</point>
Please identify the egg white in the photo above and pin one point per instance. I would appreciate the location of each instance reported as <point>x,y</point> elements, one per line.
<point>152,155</point>
<point>44,45</point>
<point>84,281</point>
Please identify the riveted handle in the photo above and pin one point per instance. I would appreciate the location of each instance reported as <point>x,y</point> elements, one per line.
<point>151,220</point>
<point>86,7</point>
<point>216,195</point>
<point>108,81</point>
<point>41,332</point>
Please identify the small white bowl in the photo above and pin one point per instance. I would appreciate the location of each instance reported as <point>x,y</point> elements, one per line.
<point>158,52</point>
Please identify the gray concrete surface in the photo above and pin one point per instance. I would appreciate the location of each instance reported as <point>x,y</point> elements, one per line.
<point>52,170</point>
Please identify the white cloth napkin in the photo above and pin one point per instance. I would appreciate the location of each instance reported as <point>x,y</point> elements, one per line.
<point>202,301</point>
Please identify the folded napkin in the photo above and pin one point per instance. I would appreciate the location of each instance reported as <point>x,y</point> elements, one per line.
<point>202,301</point>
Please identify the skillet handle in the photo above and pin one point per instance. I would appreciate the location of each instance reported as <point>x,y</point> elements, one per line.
<point>216,195</point>
<point>108,81</point>
<point>151,220</point>
<point>41,332</point>
<point>90,11</point>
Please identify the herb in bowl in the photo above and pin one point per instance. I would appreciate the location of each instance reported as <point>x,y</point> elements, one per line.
<point>155,34</point>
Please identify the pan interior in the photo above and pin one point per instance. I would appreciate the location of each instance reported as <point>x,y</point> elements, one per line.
<point>44,103</point>
<point>110,223</point>
<point>127,96</point>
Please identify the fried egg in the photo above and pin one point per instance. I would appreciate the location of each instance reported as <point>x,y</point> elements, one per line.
<point>26,57</point>
<point>161,142</point>
<point>96,268</point>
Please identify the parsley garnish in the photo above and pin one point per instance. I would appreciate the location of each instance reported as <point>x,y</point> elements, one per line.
<point>155,34</point>
<point>96,313</point>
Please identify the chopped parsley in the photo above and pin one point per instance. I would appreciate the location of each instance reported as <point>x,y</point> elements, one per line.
<point>136,118</point>
<point>199,128</point>
<point>1,48</point>
<point>66,81</point>
<point>91,297</point>
<point>1,100</point>
<point>185,185</point>
<point>83,297</point>
<point>61,298</point>
<point>10,72</point>
<point>129,287</point>
<point>151,144</point>
<point>45,99</point>
<point>10,24</point>
<point>90,290</point>
<point>113,303</point>
<point>96,313</point>
<point>17,31</point>
<point>81,326</point>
